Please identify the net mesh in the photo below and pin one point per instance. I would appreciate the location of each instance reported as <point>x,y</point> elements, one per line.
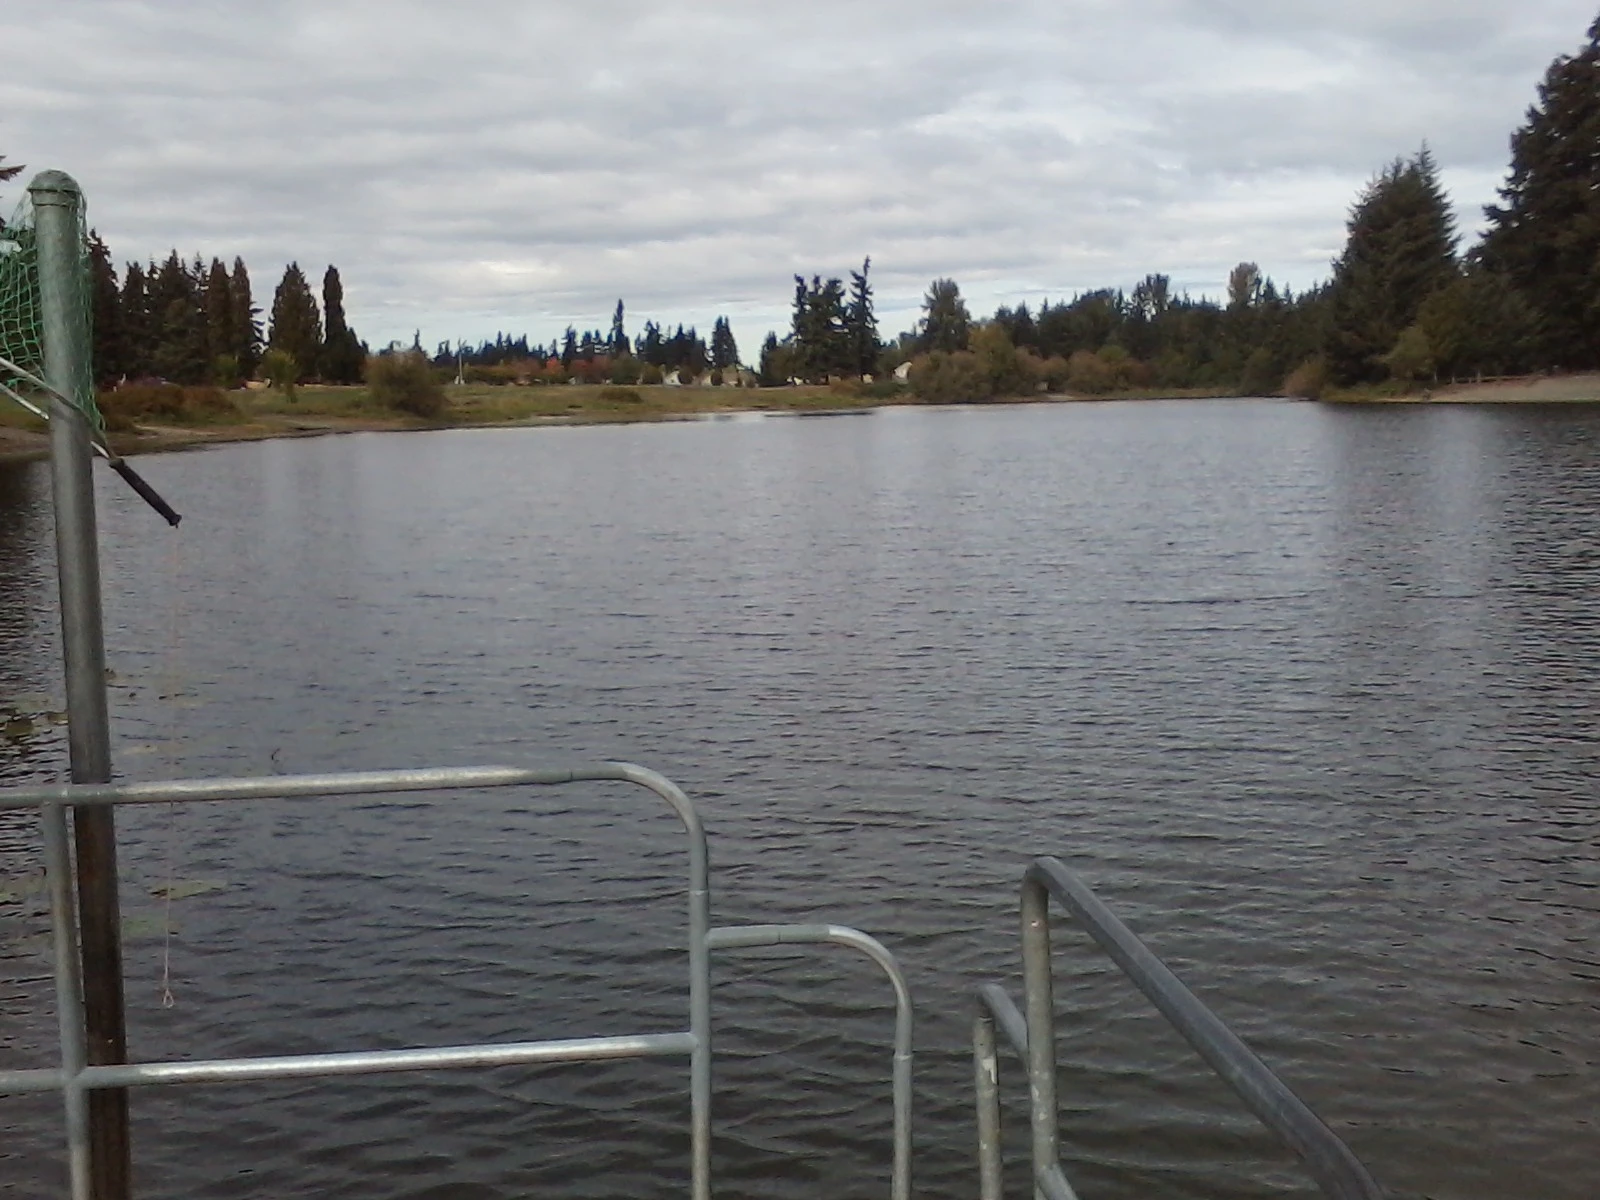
<point>21,314</point>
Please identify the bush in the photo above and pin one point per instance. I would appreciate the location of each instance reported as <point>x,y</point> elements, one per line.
<point>225,372</point>
<point>1089,374</point>
<point>651,374</point>
<point>1053,371</point>
<point>716,377</point>
<point>279,369</point>
<point>625,370</point>
<point>620,395</point>
<point>883,389</point>
<point>133,402</point>
<point>685,376</point>
<point>1309,380</point>
<point>405,382</point>
<point>945,378</point>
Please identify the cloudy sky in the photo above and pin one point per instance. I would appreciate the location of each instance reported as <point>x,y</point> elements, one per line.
<point>473,165</point>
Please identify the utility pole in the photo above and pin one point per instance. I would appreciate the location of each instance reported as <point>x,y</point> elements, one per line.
<point>63,296</point>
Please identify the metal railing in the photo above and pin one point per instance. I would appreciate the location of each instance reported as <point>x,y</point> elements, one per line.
<point>1331,1164</point>
<point>77,1080</point>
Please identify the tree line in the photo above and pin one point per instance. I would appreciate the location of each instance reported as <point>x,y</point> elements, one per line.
<point>193,324</point>
<point>1403,303</point>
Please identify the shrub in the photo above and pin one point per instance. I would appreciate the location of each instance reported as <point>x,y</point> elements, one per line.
<point>716,377</point>
<point>225,372</point>
<point>685,376</point>
<point>949,378</point>
<point>133,402</point>
<point>405,382</point>
<point>279,369</point>
<point>1089,374</point>
<point>1053,371</point>
<point>651,374</point>
<point>620,395</point>
<point>1309,380</point>
<point>625,370</point>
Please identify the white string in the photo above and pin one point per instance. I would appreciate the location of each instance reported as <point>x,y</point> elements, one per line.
<point>174,582</point>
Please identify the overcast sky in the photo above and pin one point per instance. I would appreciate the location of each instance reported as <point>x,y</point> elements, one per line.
<point>473,165</point>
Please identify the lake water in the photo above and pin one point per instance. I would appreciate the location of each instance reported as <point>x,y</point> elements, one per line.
<point>1308,694</point>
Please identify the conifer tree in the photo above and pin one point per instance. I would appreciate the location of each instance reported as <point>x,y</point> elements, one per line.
<point>342,352</point>
<point>946,324</point>
<point>861,324</point>
<point>1400,250</point>
<point>296,323</point>
<point>724,350</point>
<point>136,325</point>
<point>1545,237</point>
<point>246,345</point>
<point>110,347</point>
<point>177,323</point>
<point>219,319</point>
<point>618,341</point>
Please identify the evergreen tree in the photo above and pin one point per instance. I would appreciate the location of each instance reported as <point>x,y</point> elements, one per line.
<point>946,324</point>
<point>246,344</point>
<point>296,323</point>
<point>1546,236</point>
<point>1400,250</point>
<point>650,346</point>
<point>861,324</point>
<point>569,346</point>
<point>724,350</point>
<point>219,318</point>
<point>342,352</point>
<point>820,344</point>
<point>178,349</point>
<point>110,346</point>
<point>137,328</point>
<point>618,341</point>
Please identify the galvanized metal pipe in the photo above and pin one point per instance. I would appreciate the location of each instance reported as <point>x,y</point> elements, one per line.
<point>745,936</point>
<point>69,999</point>
<point>377,1062</point>
<point>63,293</point>
<point>697,1042</point>
<point>1337,1171</point>
<point>986,1081</point>
<point>1039,1007</point>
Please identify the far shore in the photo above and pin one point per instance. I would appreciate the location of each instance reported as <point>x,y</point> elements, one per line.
<point>320,411</point>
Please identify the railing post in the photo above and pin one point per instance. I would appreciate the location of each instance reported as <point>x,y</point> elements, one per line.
<point>63,292</point>
<point>986,1077</point>
<point>1039,1008</point>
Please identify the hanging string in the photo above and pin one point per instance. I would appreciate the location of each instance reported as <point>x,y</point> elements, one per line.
<point>173,686</point>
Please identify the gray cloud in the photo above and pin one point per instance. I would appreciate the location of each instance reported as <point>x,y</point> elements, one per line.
<point>521,165</point>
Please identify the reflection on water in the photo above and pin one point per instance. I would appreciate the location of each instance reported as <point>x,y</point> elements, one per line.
<point>1305,692</point>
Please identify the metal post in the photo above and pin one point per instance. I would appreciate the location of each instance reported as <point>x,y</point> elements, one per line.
<point>1039,1007</point>
<point>57,206</point>
<point>986,1075</point>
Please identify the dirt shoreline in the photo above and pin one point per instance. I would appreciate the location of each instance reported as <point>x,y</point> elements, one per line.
<point>18,444</point>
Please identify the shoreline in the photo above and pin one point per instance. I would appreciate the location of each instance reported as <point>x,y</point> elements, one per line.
<point>267,417</point>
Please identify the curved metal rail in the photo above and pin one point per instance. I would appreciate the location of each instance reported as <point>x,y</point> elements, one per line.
<point>1331,1163</point>
<point>76,1080</point>
<point>742,936</point>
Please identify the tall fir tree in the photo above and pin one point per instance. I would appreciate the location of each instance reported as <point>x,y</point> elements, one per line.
<point>178,323</point>
<point>296,323</point>
<point>618,343</point>
<point>861,324</point>
<point>818,337</point>
<point>246,326</point>
<point>110,341</point>
<point>1400,250</point>
<point>1545,236</point>
<point>342,352</point>
<point>946,323</point>
<point>137,328</point>
<point>724,350</point>
<point>219,323</point>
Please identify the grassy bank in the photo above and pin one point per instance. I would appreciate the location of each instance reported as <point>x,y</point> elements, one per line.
<point>1527,389</point>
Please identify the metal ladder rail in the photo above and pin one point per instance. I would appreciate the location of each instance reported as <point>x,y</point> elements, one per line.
<point>75,1080</point>
<point>1336,1170</point>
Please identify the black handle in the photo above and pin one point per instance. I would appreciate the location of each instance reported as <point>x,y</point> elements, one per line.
<point>147,493</point>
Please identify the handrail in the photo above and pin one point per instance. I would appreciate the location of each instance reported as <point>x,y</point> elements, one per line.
<point>743,936</point>
<point>75,1079</point>
<point>1331,1163</point>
